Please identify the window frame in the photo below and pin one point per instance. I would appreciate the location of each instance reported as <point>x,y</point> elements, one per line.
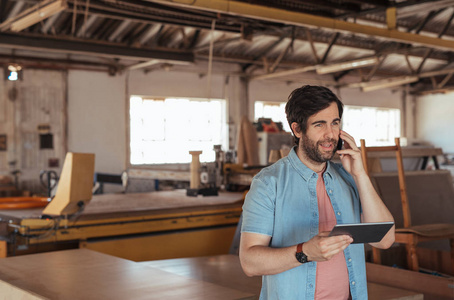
<point>173,166</point>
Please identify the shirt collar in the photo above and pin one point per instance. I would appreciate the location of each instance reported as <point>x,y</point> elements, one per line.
<point>302,169</point>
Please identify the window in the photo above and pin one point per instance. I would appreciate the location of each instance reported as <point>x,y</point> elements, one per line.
<point>164,130</point>
<point>378,126</point>
<point>273,110</point>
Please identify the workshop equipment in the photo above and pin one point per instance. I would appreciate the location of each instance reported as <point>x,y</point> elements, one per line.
<point>205,180</point>
<point>49,180</point>
<point>75,187</point>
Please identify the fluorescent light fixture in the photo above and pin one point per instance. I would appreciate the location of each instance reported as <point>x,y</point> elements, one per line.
<point>346,65</point>
<point>386,83</point>
<point>38,13</point>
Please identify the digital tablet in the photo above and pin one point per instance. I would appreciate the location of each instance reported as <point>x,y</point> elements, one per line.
<point>363,232</point>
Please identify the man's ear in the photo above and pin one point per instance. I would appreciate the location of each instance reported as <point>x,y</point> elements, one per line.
<point>296,129</point>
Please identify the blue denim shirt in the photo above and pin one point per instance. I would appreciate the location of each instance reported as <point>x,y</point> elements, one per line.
<point>282,203</point>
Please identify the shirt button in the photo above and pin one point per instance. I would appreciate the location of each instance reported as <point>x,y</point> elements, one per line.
<point>353,283</point>
<point>338,213</point>
<point>349,259</point>
<point>330,191</point>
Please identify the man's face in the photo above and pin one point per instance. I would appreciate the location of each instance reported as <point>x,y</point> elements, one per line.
<point>319,143</point>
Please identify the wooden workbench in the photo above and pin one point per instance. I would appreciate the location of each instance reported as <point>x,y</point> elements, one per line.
<point>127,225</point>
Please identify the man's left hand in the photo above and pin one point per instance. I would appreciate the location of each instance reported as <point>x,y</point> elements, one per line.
<point>351,155</point>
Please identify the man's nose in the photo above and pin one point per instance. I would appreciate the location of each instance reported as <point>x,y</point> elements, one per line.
<point>330,132</point>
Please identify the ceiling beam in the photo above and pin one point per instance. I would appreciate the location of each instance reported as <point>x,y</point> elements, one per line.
<point>16,9</point>
<point>33,15</point>
<point>29,61</point>
<point>284,73</point>
<point>395,81</point>
<point>74,46</point>
<point>261,12</point>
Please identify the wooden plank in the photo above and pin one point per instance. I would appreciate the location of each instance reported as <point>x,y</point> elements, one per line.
<point>3,249</point>
<point>406,152</point>
<point>84,274</point>
<point>435,260</point>
<point>381,292</point>
<point>430,195</point>
<point>433,287</point>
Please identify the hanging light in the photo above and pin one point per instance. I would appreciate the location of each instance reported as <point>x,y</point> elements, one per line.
<point>14,72</point>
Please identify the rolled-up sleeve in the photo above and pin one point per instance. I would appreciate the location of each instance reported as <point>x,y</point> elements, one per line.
<point>258,208</point>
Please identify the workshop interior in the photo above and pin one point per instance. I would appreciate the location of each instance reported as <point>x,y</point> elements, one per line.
<point>130,132</point>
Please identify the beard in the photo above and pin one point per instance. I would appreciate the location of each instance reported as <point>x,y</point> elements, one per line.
<point>311,149</point>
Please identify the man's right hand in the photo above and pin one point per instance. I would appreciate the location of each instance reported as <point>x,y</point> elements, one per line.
<point>323,247</point>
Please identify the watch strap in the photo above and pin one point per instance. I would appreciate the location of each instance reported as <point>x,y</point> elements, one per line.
<point>299,248</point>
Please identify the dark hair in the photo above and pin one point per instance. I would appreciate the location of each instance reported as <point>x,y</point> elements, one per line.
<point>307,101</point>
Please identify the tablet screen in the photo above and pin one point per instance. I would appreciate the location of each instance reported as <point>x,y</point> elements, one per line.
<point>363,232</point>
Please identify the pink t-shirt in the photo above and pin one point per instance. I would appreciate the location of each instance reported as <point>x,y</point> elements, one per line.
<point>332,276</point>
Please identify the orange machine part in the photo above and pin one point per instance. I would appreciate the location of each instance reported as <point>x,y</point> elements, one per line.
<point>23,202</point>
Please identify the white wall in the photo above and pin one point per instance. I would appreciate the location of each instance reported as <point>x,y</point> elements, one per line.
<point>380,98</point>
<point>97,108</point>
<point>267,90</point>
<point>96,118</point>
<point>435,115</point>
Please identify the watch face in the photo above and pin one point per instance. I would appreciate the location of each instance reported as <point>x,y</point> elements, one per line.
<point>301,257</point>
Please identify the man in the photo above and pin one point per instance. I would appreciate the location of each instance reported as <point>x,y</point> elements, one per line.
<point>293,204</point>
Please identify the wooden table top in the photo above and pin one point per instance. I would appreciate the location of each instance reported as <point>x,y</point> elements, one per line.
<point>84,274</point>
<point>225,270</point>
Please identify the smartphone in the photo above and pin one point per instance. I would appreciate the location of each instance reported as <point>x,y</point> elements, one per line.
<point>340,143</point>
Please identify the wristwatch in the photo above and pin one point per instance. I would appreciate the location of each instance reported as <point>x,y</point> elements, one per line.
<point>300,256</point>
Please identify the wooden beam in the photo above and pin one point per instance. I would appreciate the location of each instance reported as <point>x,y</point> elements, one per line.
<point>391,18</point>
<point>33,15</point>
<point>271,14</point>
